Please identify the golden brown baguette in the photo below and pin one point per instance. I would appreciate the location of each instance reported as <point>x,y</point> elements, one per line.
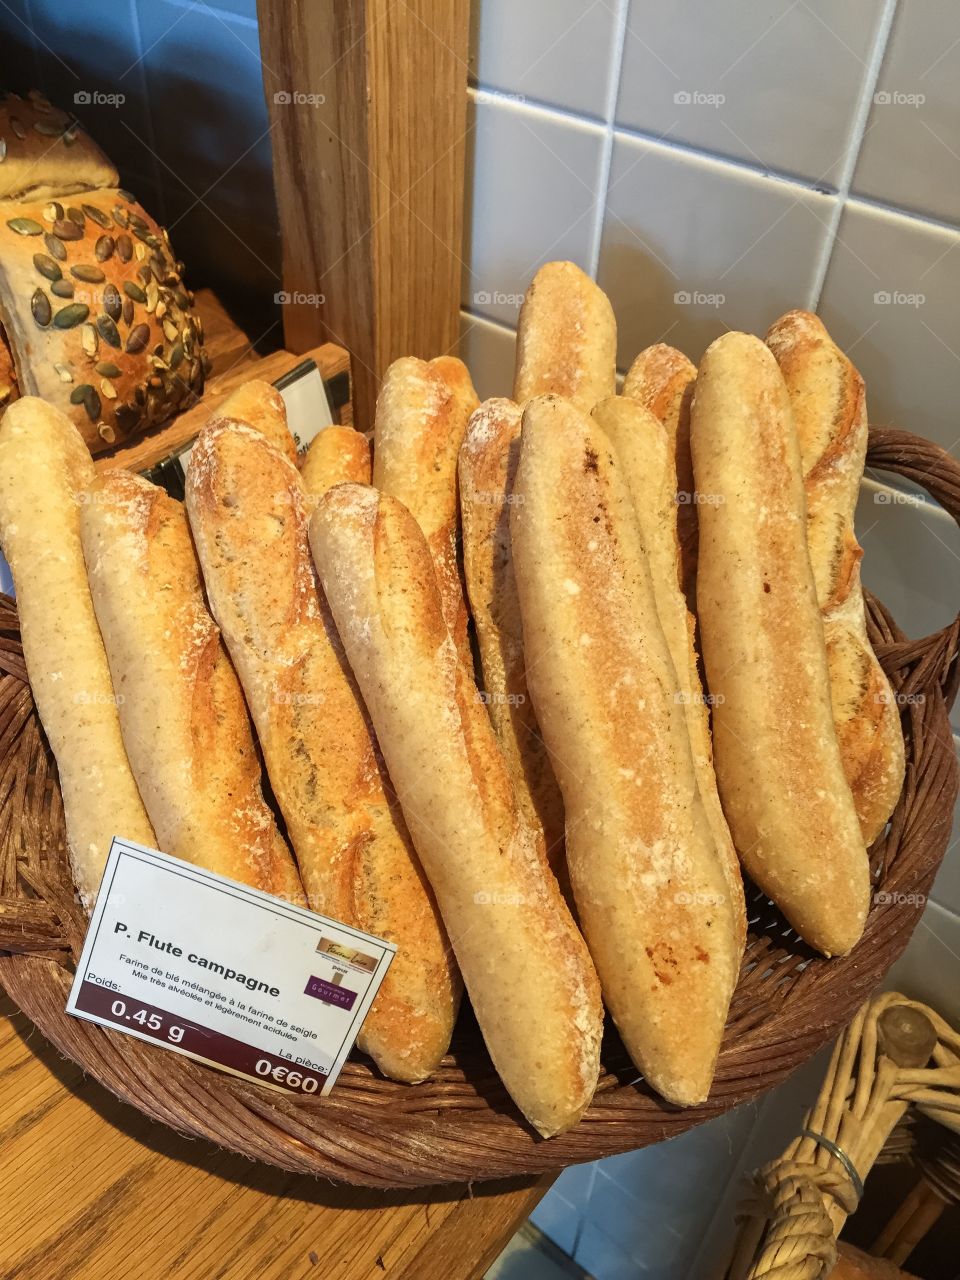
<point>829,408</point>
<point>335,455</point>
<point>248,512</point>
<point>526,968</point>
<point>566,339</point>
<point>260,405</point>
<point>661,379</point>
<point>45,472</point>
<point>183,718</point>
<point>488,464</point>
<point>646,458</point>
<point>788,803</point>
<point>421,415</point>
<point>652,894</point>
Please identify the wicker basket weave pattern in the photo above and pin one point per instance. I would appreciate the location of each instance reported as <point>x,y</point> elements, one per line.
<point>461,1126</point>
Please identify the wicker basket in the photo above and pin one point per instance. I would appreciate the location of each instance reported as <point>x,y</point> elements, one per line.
<point>461,1126</point>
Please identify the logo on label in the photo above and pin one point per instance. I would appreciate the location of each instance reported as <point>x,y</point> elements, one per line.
<point>330,992</point>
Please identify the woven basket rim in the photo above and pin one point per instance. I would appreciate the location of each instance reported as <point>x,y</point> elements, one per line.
<point>461,1126</point>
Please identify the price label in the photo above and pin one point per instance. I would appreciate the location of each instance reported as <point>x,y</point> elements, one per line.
<point>222,973</point>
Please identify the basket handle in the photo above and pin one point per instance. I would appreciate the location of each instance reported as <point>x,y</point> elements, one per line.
<point>937,656</point>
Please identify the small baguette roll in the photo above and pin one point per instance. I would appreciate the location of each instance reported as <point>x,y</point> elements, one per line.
<point>526,968</point>
<point>788,803</point>
<point>566,339</point>
<point>422,412</point>
<point>260,405</point>
<point>830,411</point>
<point>334,456</point>
<point>182,714</point>
<point>652,893</point>
<point>662,379</point>
<point>488,464</point>
<point>646,458</point>
<point>248,512</point>
<point>45,472</point>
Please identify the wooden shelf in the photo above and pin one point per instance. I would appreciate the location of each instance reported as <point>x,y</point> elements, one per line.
<point>234,361</point>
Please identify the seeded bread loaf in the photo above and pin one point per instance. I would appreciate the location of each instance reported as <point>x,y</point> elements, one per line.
<point>248,512</point>
<point>566,339</point>
<point>96,315</point>
<point>45,475</point>
<point>530,979</point>
<point>44,154</point>
<point>184,721</point>
<point>778,763</point>
<point>488,465</point>
<point>421,416</point>
<point>829,408</point>
<point>653,892</point>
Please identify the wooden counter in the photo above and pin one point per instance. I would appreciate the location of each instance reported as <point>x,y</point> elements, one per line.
<point>92,1190</point>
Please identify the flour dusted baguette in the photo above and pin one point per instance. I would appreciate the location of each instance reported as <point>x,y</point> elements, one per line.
<point>566,339</point>
<point>526,968</point>
<point>335,455</point>
<point>646,459</point>
<point>829,408</point>
<point>488,464</point>
<point>183,718</point>
<point>421,415</point>
<point>45,472</point>
<point>652,892</point>
<point>248,512</point>
<point>260,405</point>
<point>782,784</point>
<point>661,379</point>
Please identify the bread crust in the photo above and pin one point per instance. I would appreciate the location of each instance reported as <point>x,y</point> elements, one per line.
<point>778,764</point>
<point>259,405</point>
<point>488,465</point>
<point>662,380</point>
<point>45,473</point>
<point>829,407</point>
<point>530,979</point>
<point>247,508</point>
<point>566,338</point>
<point>652,894</point>
<point>646,457</point>
<point>182,715</point>
<point>421,416</point>
<point>334,456</point>
<point>47,154</point>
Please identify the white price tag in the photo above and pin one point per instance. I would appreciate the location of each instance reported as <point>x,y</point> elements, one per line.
<point>223,973</point>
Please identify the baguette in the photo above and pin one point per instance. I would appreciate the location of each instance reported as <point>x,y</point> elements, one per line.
<point>335,455</point>
<point>45,472</point>
<point>247,509</point>
<point>788,803</point>
<point>651,889</point>
<point>646,459</point>
<point>507,920</point>
<point>184,722</point>
<point>661,379</point>
<point>488,464</point>
<point>421,416</point>
<point>566,339</point>
<point>259,405</point>
<point>829,407</point>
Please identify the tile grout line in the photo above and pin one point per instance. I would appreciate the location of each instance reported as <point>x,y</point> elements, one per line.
<point>858,132</point>
<point>582,1215</point>
<point>606,152</point>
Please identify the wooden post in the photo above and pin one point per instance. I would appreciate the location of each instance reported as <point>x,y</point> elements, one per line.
<point>367,106</point>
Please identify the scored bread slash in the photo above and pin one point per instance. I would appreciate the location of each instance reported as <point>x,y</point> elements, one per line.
<point>248,509</point>
<point>654,898</point>
<point>778,763</point>
<point>566,338</point>
<point>529,976</point>
<point>488,463</point>
<point>829,407</point>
